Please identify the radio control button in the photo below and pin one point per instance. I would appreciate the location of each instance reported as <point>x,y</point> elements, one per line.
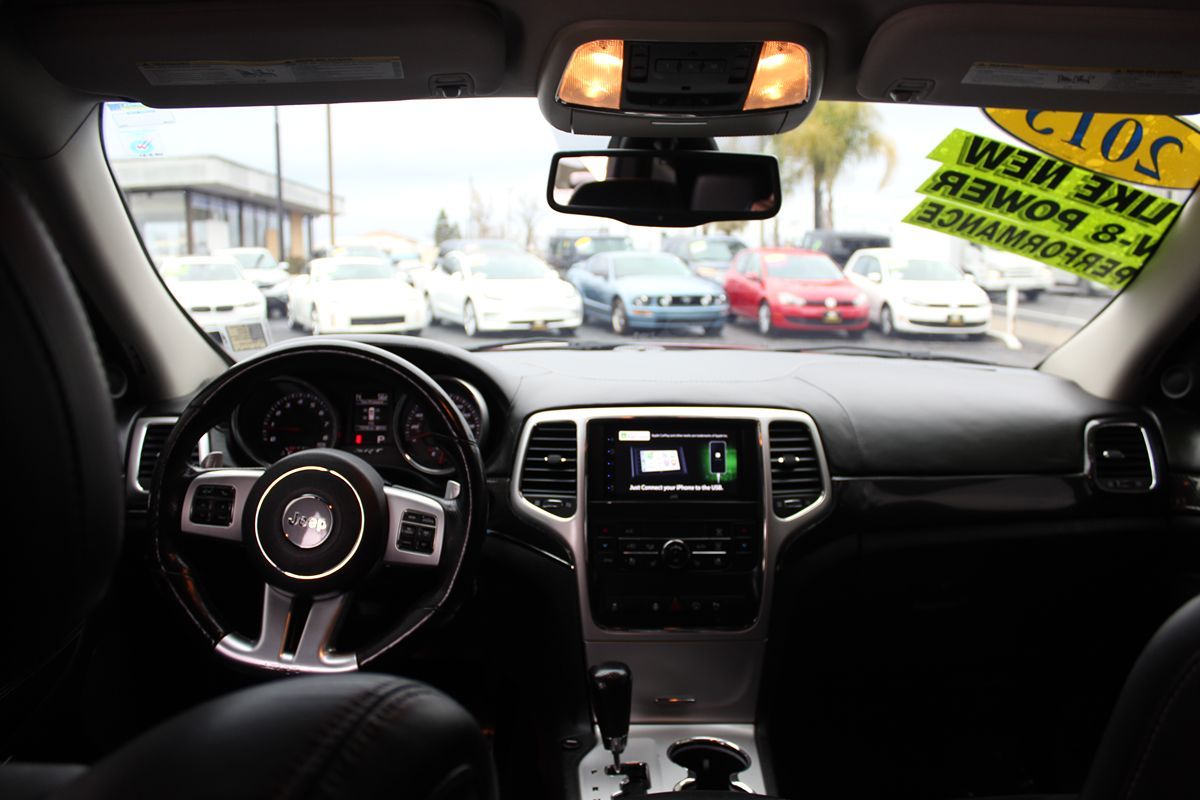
<point>676,554</point>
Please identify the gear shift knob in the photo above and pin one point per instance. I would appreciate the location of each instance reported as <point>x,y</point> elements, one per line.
<point>612,694</point>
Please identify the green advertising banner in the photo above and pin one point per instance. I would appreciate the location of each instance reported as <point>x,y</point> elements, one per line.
<point>1002,196</point>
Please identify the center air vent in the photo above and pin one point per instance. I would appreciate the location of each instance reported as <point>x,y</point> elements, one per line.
<point>796,481</point>
<point>1121,458</point>
<point>548,473</point>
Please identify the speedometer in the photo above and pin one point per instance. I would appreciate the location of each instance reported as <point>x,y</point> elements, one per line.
<point>421,444</point>
<point>298,420</point>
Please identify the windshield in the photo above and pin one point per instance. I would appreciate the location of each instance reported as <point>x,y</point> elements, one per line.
<point>202,271</point>
<point>937,193</point>
<point>918,270</point>
<point>354,271</point>
<point>807,268</point>
<point>649,264</point>
<point>503,266</point>
<point>713,250</point>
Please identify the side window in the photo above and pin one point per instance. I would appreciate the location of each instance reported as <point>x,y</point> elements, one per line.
<point>751,265</point>
<point>866,265</point>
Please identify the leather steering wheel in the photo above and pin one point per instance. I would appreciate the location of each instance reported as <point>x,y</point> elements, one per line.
<point>316,523</point>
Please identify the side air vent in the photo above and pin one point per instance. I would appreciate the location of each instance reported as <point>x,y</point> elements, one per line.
<point>1121,458</point>
<point>796,481</point>
<point>145,448</point>
<point>152,446</point>
<point>548,473</point>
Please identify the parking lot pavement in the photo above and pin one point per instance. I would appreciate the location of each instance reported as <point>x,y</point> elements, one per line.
<point>743,334</point>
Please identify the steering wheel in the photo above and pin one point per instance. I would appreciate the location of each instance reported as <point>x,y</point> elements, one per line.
<point>316,523</point>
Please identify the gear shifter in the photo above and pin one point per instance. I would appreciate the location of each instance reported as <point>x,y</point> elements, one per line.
<point>612,694</point>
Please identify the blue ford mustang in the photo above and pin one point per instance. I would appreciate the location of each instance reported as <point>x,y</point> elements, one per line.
<point>641,290</point>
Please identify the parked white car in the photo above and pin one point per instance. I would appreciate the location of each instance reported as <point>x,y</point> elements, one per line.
<point>258,264</point>
<point>909,294</point>
<point>261,268</point>
<point>994,271</point>
<point>346,294</point>
<point>501,290</point>
<point>214,291</point>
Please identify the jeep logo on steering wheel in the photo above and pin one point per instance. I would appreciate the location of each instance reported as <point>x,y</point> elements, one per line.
<point>307,521</point>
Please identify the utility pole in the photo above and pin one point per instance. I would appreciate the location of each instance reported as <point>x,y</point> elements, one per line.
<point>279,188</point>
<point>329,158</point>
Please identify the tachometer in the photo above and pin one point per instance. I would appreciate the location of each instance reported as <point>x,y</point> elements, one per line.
<point>421,444</point>
<point>299,420</point>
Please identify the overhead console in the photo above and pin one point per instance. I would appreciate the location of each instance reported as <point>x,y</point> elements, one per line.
<point>679,80</point>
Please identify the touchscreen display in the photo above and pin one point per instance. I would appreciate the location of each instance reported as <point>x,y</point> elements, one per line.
<point>658,459</point>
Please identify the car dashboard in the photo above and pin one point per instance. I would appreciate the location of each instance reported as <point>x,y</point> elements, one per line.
<point>672,485</point>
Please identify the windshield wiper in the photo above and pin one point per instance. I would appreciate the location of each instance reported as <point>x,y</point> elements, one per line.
<point>533,342</point>
<point>887,352</point>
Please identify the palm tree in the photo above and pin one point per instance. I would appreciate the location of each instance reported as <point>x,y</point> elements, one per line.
<point>834,135</point>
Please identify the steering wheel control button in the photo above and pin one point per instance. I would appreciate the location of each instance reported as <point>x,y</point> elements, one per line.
<point>212,504</point>
<point>308,521</point>
<point>416,532</point>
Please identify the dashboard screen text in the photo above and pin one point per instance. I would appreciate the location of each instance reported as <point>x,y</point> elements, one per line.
<point>668,459</point>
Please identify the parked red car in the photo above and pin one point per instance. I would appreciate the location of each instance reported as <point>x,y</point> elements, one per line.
<point>794,289</point>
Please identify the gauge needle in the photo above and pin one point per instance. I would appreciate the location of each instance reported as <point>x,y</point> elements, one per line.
<point>286,429</point>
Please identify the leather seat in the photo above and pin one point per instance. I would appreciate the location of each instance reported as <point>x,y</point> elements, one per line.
<point>1151,747</point>
<point>335,737</point>
<point>344,736</point>
<point>63,497</point>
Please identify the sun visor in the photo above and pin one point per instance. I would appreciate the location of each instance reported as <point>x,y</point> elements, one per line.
<point>1075,58</point>
<point>202,54</point>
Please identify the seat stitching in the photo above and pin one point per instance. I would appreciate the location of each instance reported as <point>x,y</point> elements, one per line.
<point>365,730</point>
<point>1161,717</point>
<point>346,720</point>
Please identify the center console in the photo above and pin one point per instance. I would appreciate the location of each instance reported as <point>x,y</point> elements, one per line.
<point>674,523</point>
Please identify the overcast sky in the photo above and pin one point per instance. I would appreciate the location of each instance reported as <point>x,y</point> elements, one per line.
<point>397,163</point>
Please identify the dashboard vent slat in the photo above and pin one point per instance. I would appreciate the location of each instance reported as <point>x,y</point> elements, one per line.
<point>152,446</point>
<point>1121,458</point>
<point>796,480</point>
<point>146,457</point>
<point>550,468</point>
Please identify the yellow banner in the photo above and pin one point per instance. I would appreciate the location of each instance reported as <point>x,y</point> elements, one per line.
<point>1150,149</point>
<point>1002,196</point>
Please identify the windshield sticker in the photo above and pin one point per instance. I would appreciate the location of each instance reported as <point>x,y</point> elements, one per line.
<point>1150,149</point>
<point>140,129</point>
<point>247,337</point>
<point>310,70</point>
<point>1001,196</point>
<point>1028,76</point>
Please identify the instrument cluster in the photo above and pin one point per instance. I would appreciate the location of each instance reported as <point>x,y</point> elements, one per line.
<point>383,426</point>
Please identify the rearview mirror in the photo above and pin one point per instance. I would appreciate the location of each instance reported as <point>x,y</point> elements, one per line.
<point>672,188</point>
<point>876,277</point>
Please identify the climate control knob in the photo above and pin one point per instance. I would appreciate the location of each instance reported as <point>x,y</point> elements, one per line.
<point>676,554</point>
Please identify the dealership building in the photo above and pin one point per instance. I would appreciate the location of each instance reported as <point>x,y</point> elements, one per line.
<point>195,205</point>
